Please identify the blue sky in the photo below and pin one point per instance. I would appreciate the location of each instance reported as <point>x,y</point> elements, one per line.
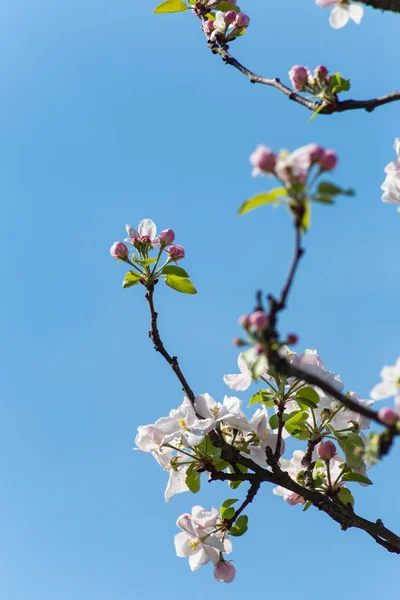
<point>109,114</point>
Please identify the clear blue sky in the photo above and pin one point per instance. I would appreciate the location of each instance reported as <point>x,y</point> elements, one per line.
<point>109,114</point>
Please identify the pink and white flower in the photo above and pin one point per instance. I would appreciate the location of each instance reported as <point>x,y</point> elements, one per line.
<point>241,381</point>
<point>342,12</point>
<point>391,185</point>
<point>390,384</point>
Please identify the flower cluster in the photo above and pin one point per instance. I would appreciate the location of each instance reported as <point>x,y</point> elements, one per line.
<point>188,443</point>
<point>342,12</point>
<point>223,27</point>
<point>319,84</point>
<point>391,185</point>
<point>146,270</point>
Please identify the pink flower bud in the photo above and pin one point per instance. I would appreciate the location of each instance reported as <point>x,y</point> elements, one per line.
<point>292,339</point>
<point>224,571</point>
<point>230,17</point>
<point>244,321</point>
<point>208,27</point>
<point>299,77</point>
<point>239,343</point>
<point>263,159</point>
<point>176,252</point>
<point>294,499</point>
<point>259,349</point>
<point>320,72</point>
<point>328,161</point>
<point>258,319</point>
<point>241,21</point>
<point>316,153</point>
<point>326,450</point>
<point>119,250</point>
<point>388,416</point>
<point>166,237</point>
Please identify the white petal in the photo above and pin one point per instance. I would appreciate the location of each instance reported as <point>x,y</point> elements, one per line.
<point>176,483</point>
<point>147,227</point>
<point>199,559</point>
<point>167,425</point>
<point>132,233</point>
<point>193,437</point>
<point>339,17</point>
<point>356,13</point>
<point>383,390</point>
<point>397,146</point>
<point>204,517</point>
<point>239,382</point>
<point>184,522</point>
<point>203,404</point>
<point>243,366</point>
<point>181,541</point>
<point>212,553</point>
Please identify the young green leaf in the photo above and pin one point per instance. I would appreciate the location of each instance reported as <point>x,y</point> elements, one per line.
<point>180,284</point>
<point>329,189</point>
<point>346,496</point>
<point>261,199</point>
<point>264,397</point>
<point>357,477</point>
<point>229,502</point>
<point>226,513</point>
<point>172,270</point>
<point>240,526</point>
<point>309,394</point>
<point>225,6</point>
<point>193,479</point>
<point>131,278</point>
<point>353,448</point>
<point>170,6</point>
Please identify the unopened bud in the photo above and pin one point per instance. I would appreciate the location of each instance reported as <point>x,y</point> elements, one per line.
<point>259,320</point>
<point>329,160</point>
<point>388,416</point>
<point>299,77</point>
<point>119,250</point>
<point>208,27</point>
<point>176,252</point>
<point>224,571</point>
<point>242,20</point>
<point>263,160</point>
<point>230,17</point>
<point>320,72</point>
<point>166,237</point>
<point>294,499</point>
<point>292,339</point>
<point>326,450</point>
<point>239,343</point>
<point>244,321</point>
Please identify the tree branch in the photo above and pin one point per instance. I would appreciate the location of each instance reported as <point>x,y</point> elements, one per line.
<point>328,109</point>
<point>390,5</point>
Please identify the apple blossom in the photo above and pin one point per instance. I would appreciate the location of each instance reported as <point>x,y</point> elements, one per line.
<point>294,499</point>
<point>183,425</point>
<point>229,412</point>
<point>320,72</point>
<point>391,185</point>
<point>345,417</point>
<point>119,250</point>
<point>342,12</point>
<point>198,539</point>
<point>306,156</point>
<point>259,320</point>
<point>242,21</point>
<point>224,571</point>
<point>230,17</point>
<point>176,252</point>
<point>220,25</point>
<point>146,232</point>
<point>329,161</point>
<point>263,161</point>
<point>166,237</point>
<point>390,384</point>
<point>242,380</point>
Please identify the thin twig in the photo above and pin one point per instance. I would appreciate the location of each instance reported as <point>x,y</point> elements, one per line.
<point>328,109</point>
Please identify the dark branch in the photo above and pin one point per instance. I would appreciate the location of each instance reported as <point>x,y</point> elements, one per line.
<point>391,5</point>
<point>328,109</point>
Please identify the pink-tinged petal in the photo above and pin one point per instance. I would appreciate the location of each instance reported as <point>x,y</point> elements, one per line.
<point>204,405</point>
<point>182,547</point>
<point>203,517</point>
<point>147,227</point>
<point>184,522</point>
<point>326,3</point>
<point>239,382</point>
<point>397,404</point>
<point>132,233</point>
<point>356,13</point>
<point>176,483</point>
<point>339,17</point>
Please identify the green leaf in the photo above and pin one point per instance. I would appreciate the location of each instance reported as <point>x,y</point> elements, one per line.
<point>264,397</point>
<point>339,84</point>
<point>297,427</point>
<point>225,6</point>
<point>274,421</point>
<point>180,284</point>
<point>308,395</point>
<point>322,199</point>
<point>229,502</point>
<point>306,220</point>
<point>329,189</point>
<point>207,447</point>
<point>353,448</point>
<point>131,278</point>
<point>193,479</point>
<point>356,477</point>
<point>227,513</point>
<point>240,527</point>
<point>170,6</point>
<point>234,484</point>
<point>172,270</point>
<point>307,506</point>
<point>346,496</point>
<point>261,199</point>
<point>145,262</point>
<point>318,110</point>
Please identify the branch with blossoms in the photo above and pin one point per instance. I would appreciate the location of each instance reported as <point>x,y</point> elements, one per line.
<point>223,23</point>
<point>308,405</point>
